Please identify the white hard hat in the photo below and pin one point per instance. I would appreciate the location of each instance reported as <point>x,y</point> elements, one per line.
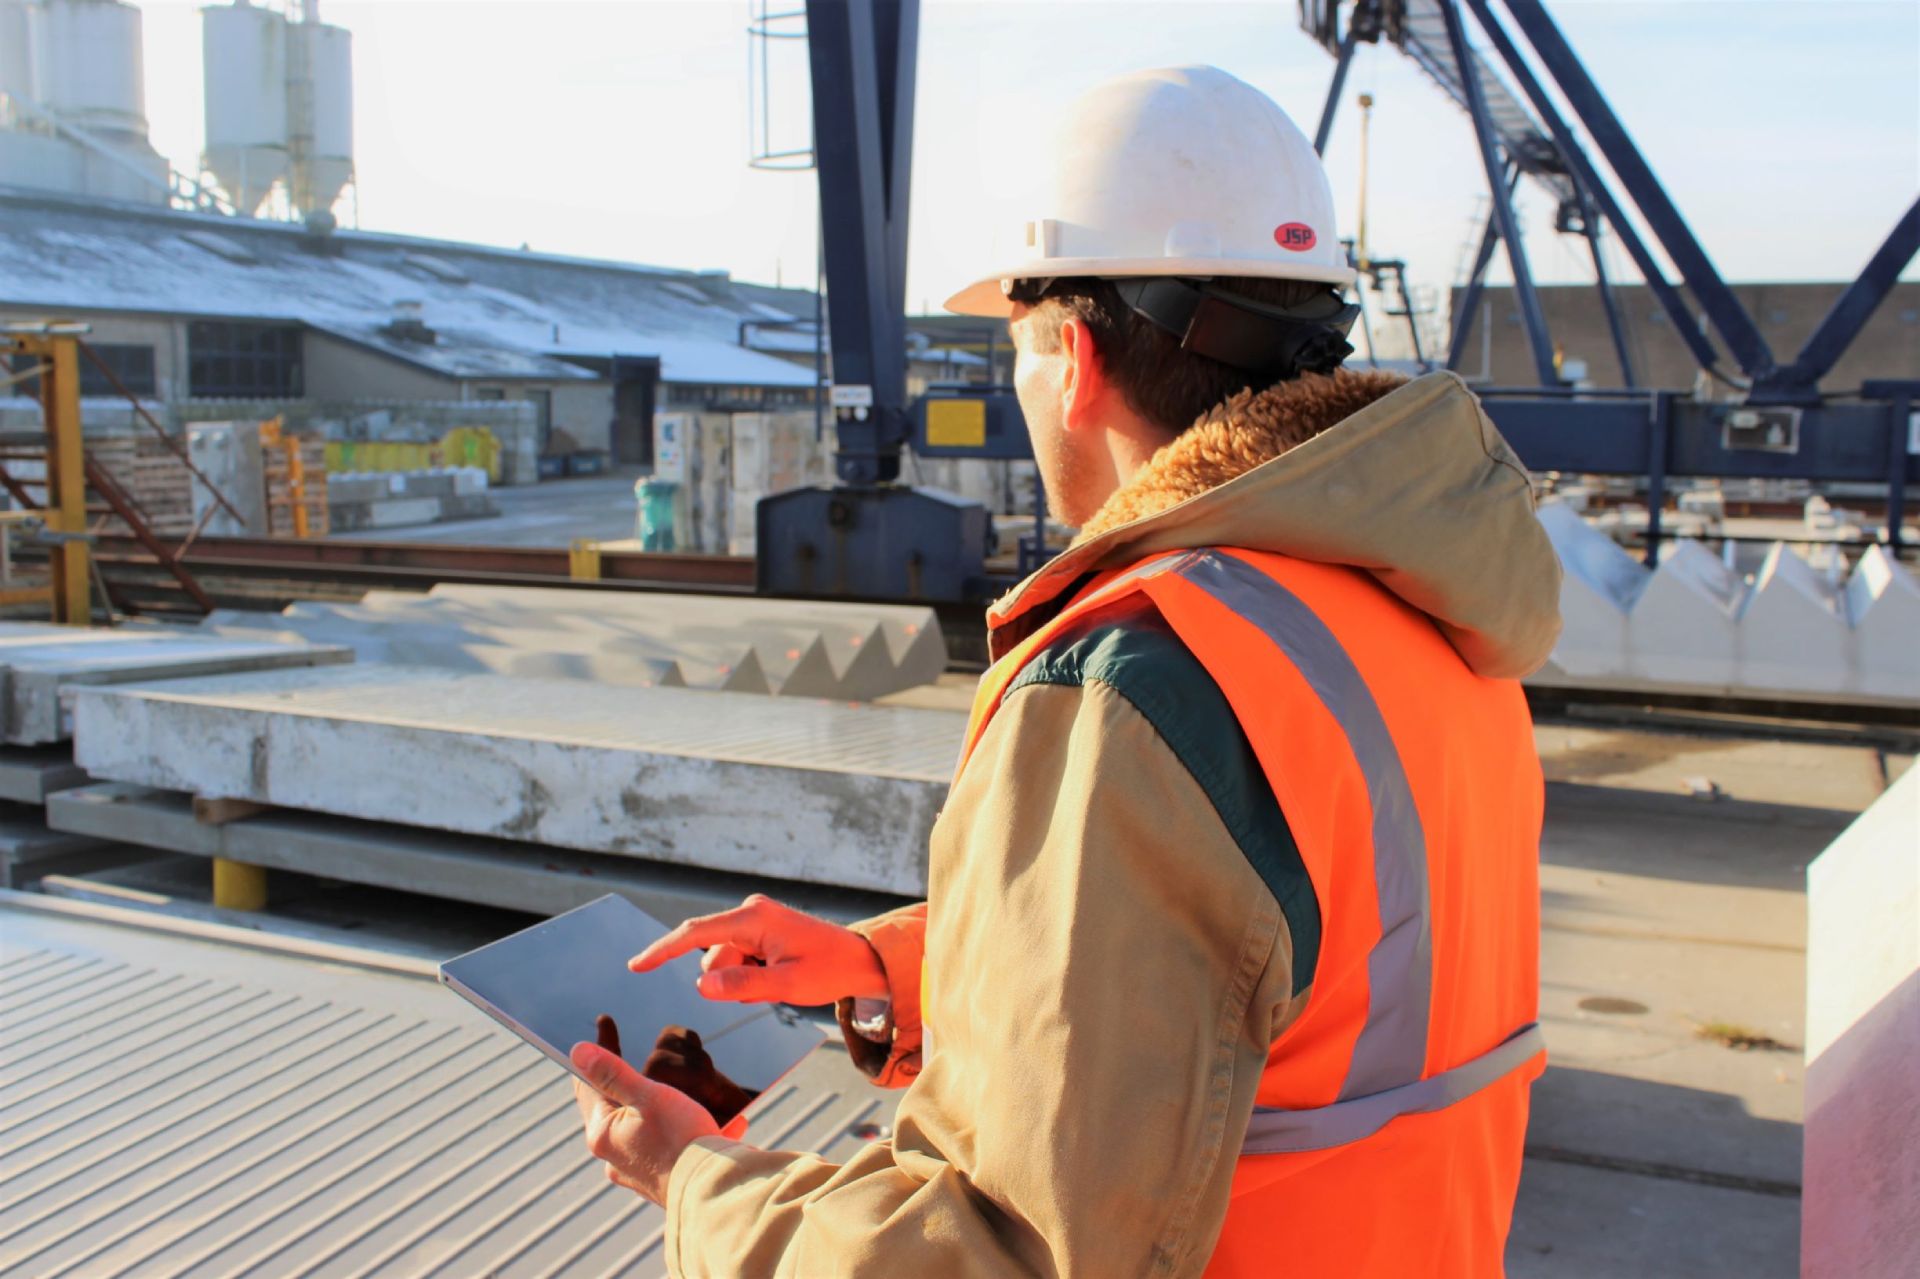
<point>1184,171</point>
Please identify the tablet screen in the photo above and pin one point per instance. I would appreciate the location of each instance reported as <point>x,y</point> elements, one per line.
<point>553,983</point>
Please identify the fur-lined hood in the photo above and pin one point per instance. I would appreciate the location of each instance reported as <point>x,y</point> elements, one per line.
<point>1406,480</point>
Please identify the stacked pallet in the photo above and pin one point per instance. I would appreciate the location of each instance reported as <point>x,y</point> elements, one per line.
<point>296,475</point>
<point>155,478</point>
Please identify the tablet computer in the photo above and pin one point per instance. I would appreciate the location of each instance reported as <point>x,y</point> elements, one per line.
<point>553,983</point>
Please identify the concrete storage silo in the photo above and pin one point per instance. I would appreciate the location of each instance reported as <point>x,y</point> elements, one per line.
<point>320,108</point>
<point>16,60</point>
<point>87,71</point>
<point>245,55</point>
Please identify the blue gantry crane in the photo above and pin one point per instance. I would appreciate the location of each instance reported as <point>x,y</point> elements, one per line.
<point>870,536</point>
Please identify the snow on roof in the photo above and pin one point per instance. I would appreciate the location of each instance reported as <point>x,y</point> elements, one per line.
<point>494,312</point>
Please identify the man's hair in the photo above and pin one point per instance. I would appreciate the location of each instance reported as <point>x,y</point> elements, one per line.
<point>1167,386</point>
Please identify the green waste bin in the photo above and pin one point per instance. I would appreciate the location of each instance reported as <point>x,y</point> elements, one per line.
<point>654,522</point>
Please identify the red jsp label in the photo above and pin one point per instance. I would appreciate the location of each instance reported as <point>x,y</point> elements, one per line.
<point>1297,236</point>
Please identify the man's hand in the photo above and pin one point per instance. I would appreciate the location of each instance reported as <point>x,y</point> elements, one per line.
<point>761,951</point>
<point>637,1127</point>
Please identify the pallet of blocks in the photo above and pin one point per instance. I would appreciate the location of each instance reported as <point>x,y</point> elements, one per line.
<point>155,478</point>
<point>296,478</point>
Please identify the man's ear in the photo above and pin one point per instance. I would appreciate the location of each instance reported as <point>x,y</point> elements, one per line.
<point>1085,383</point>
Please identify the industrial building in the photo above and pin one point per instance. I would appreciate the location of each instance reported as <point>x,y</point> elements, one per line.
<point>193,308</point>
<point>210,311</point>
<point>1788,312</point>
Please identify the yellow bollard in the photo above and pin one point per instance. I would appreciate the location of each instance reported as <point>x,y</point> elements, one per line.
<point>238,886</point>
<point>583,560</point>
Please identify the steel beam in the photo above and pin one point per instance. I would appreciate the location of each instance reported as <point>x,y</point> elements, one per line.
<point>1903,425</point>
<point>1327,112</point>
<point>1539,341</point>
<point>1850,313</point>
<point>1589,179</point>
<point>1615,323</point>
<point>1659,427</point>
<point>443,562</point>
<point>1723,309</point>
<point>1612,435</point>
<point>861,54</point>
<point>1470,299</point>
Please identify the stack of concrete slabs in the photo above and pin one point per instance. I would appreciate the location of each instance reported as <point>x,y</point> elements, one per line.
<point>820,792</point>
<point>38,662</point>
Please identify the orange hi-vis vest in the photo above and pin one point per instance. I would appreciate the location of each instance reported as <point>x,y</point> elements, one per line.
<point>1388,1127</point>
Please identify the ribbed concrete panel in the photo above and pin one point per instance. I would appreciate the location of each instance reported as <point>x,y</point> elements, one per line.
<point>1681,628</point>
<point>1695,626</point>
<point>1599,583</point>
<point>37,662</point>
<point>821,792</point>
<point>305,1111</point>
<point>1883,603</point>
<point>1792,634</point>
<point>630,639</point>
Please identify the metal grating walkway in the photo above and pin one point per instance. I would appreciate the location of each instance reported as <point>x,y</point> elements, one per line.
<point>189,1100</point>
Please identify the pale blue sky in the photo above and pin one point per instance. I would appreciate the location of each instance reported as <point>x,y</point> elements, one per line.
<point>1787,131</point>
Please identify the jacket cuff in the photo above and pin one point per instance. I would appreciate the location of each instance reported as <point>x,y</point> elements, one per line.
<point>899,939</point>
<point>694,1167</point>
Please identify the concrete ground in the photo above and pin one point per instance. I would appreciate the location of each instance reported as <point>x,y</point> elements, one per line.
<point>1665,1138</point>
<point>551,513</point>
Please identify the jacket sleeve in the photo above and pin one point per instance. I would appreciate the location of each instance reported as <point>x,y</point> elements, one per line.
<point>1105,973</point>
<point>899,939</point>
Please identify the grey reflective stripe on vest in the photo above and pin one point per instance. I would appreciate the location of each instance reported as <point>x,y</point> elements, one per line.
<point>1286,1132</point>
<point>1392,1048</point>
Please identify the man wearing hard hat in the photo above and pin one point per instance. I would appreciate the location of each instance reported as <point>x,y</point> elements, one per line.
<point>1229,962</point>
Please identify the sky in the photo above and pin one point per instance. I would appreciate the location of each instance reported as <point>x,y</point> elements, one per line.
<point>1786,131</point>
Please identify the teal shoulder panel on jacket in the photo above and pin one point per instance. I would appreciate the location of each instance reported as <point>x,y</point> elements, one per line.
<point>1136,654</point>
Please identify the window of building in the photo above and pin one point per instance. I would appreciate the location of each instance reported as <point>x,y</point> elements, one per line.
<point>131,363</point>
<point>489,393</point>
<point>243,361</point>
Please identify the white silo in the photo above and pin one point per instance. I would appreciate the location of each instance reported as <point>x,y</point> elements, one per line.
<point>87,73</point>
<point>16,61</point>
<point>320,107</point>
<point>87,65</point>
<point>245,58</point>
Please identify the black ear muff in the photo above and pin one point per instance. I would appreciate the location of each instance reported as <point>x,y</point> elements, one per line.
<point>1272,343</point>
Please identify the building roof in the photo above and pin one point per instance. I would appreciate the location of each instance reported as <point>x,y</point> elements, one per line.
<point>495,313</point>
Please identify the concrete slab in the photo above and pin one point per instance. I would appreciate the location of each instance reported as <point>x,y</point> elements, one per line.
<point>28,849</point>
<point>28,774</point>
<point>822,793</point>
<point>457,868</point>
<point>792,648</point>
<point>1862,1210</point>
<point>38,668</point>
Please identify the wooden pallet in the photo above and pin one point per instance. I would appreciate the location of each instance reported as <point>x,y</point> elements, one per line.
<point>157,481</point>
